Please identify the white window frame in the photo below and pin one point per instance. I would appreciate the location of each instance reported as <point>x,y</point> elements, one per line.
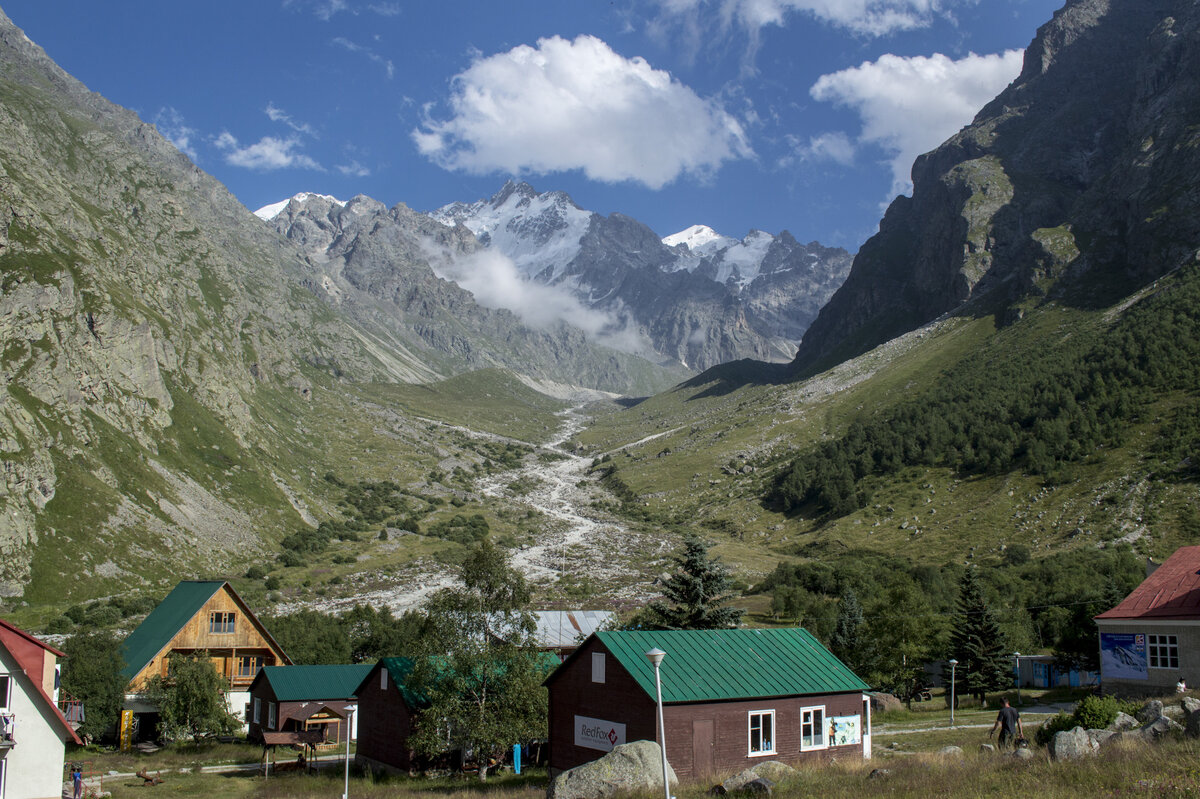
<point>270,715</point>
<point>770,749</point>
<point>598,667</point>
<point>6,694</point>
<point>258,710</point>
<point>1162,651</point>
<point>818,728</point>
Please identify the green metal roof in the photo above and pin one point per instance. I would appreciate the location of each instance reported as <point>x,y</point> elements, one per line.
<point>303,683</point>
<point>157,630</point>
<point>711,665</point>
<point>400,669</point>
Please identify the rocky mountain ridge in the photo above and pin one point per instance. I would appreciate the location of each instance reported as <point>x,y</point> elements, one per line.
<point>1078,183</point>
<point>702,305</point>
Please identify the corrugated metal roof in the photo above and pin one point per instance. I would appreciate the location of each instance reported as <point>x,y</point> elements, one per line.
<point>562,628</point>
<point>1171,592</point>
<point>157,630</point>
<point>399,669</point>
<point>306,683</point>
<point>710,665</point>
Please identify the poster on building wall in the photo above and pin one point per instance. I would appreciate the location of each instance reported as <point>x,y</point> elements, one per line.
<point>1123,656</point>
<point>598,733</point>
<point>845,730</point>
<point>125,733</point>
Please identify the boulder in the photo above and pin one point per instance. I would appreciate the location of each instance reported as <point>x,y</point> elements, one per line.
<point>881,702</point>
<point>1175,713</point>
<point>1192,726</point>
<point>988,748</point>
<point>772,770</point>
<point>950,751</point>
<point>635,766</point>
<point>1100,737</point>
<point>879,773</point>
<point>1123,722</point>
<point>1190,705</point>
<point>1072,745</point>
<point>1022,753</point>
<point>759,787</point>
<point>1150,711</point>
<point>1159,728</point>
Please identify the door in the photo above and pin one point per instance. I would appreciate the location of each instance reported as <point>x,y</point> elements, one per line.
<point>702,747</point>
<point>866,728</point>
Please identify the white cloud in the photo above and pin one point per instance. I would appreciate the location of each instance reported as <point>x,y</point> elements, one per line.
<point>277,114</point>
<point>171,125</point>
<point>353,169</point>
<point>908,106</point>
<point>496,282</point>
<point>864,17</point>
<point>568,105</point>
<point>267,154</point>
<point>834,146</point>
<point>386,63</point>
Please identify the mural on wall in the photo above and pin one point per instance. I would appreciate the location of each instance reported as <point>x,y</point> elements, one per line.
<point>1123,656</point>
<point>845,730</point>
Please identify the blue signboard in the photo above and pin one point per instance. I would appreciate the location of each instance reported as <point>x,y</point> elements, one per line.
<point>1123,656</point>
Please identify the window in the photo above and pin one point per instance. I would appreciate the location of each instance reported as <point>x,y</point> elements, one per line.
<point>220,622</point>
<point>249,666</point>
<point>383,679</point>
<point>270,715</point>
<point>597,667</point>
<point>257,710</point>
<point>1163,651</point>
<point>762,732</point>
<point>866,727</point>
<point>812,728</point>
<point>5,681</point>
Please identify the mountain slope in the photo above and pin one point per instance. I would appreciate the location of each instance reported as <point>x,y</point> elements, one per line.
<point>701,300</point>
<point>1081,180</point>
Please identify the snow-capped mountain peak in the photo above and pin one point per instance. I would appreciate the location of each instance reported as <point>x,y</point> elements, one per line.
<point>269,212</point>
<point>700,239</point>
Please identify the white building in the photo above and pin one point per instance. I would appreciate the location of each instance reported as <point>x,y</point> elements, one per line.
<point>33,731</point>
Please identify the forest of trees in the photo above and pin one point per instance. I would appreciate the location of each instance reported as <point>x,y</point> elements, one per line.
<point>1034,408</point>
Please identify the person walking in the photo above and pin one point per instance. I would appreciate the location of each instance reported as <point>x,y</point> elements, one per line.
<point>1009,722</point>
<point>76,781</point>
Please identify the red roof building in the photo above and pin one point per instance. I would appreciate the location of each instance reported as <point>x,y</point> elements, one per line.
<point>33,731</point>
<point>1151,639</point>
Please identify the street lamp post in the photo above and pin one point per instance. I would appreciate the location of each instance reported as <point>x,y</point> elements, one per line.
<point>953,666</point>
<point>1017,668</point>
<point>350,709</point>
<point>656,656</point>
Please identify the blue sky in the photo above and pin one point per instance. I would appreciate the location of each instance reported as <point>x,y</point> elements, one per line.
<point>802,115</point>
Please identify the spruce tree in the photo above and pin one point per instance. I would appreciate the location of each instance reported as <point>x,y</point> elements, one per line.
<point>976,642</point>
<point>849,640</point>
<point>696,593</point>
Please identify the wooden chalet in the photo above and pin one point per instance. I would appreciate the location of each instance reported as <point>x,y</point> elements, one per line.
<point>33,730</point>
<point>304,698</point>
<point>386,710</point>
<point>731,699</point>
<point>200,616</point>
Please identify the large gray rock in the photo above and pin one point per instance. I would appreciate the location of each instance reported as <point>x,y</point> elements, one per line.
<point>951,751</point>
<point>1190,705</point>
<point>772,770</point>
<point>1150,711</point>
<point>1100,737</point>
<point>881,702</point>
<point>629,767</point>
<point>1158,729</point>
<point>1192,725</point>
<point>1123,722</point>
<point>1022,753</point>
<point>1072,745</point>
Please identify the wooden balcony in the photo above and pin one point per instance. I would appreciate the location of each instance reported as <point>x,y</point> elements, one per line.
<point>8,727</point>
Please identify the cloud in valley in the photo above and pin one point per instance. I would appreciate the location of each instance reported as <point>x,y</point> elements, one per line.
<point>909,106</point>
<point>578,105</point>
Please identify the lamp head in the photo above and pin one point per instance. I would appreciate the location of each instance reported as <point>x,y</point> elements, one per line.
<point>655,656</point>
<point>953,662</point>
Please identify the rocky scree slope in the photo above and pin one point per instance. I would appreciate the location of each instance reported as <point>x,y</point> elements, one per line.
<point>160,350</point>
<point>373,264</point>
<point>698,301</point>
<point>1080,182</point>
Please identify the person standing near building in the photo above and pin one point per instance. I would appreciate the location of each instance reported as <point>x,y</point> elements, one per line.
<point>1009,722</point>
<point>76,781</point>
<point>1181,686</point>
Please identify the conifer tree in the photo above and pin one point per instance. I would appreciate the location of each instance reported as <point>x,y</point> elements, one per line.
<point>849,640</point>
<point>977,643</point>
<point>695,595</point>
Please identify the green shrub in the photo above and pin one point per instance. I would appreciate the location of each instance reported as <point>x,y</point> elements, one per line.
<point>1097,712</point>
<point>255,573</point>
<point>272,583</point>
<point>1060,723</point>
<point>59,625</point>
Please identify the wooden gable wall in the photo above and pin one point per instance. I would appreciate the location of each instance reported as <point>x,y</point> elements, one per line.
<point>225,649</point>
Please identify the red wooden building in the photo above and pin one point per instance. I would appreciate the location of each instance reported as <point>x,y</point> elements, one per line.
<point>385,717</point>
<point>731,699</point>
<point>303,698</point>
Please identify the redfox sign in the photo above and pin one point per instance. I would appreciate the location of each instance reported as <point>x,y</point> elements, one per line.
<point>598,733</point>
